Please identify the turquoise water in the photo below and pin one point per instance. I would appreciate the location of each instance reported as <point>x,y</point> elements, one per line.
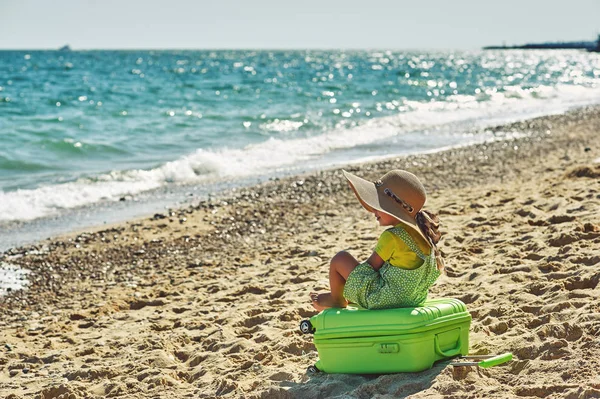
<point>86,129</point>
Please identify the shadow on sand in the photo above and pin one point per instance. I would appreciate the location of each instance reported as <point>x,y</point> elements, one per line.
<point>323,385</point>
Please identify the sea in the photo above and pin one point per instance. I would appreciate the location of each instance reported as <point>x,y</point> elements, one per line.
<point>96,137</point>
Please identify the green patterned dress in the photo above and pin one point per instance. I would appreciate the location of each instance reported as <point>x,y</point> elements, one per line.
<point>392,286</point>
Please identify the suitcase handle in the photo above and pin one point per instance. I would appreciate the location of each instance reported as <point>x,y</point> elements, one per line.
<point>484,361</point>
<point>451,352</point>
<point>496,360</point>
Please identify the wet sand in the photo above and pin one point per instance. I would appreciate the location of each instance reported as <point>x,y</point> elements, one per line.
<point>205,301</point>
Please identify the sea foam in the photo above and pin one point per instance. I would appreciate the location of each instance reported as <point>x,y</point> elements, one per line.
<point>421,126</point>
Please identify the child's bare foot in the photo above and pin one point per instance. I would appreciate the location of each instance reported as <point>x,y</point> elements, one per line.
<point>314,297</point>
<point>325,301</point>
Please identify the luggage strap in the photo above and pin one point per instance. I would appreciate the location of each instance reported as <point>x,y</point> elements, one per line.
<point>409,241</point>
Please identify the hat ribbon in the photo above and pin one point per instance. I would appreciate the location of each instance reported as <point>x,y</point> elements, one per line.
<point>404,204</point>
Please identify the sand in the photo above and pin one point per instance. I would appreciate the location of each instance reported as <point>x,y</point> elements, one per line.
<point>205,301</point>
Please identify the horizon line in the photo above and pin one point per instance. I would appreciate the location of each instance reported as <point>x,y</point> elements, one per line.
<point>70,49</point>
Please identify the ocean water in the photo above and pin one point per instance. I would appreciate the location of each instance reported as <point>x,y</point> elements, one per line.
<point>89,137</point>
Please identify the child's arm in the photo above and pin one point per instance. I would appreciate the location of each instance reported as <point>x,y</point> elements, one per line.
<point>375,261</point>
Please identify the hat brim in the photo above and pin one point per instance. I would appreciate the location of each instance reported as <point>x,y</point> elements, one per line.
<point>372,198</point>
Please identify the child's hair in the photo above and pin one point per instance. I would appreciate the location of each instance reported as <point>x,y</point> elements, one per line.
<point>429,224</point>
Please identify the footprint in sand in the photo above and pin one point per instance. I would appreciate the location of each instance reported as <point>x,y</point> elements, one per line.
<point>142,303</point>
<point>298,347</point>
<point>539,288</point>
<point>556,307</point>
<point>281,376</point>
<point>197,374</point>
<point>534,256</point>
<point>277,294</point>
<point>180,310</point>
<point>248,333</point>
<point>182,355</point>
<point>499,328</point>
<point>567,331</point>
<point>64,391</point>
<point>550,267</point>
<point>251,289</point>
<point>301,279</point>
<point>509,270</point>
<point>289,315</point>
<point>585,260</point>
<point>585,171</point>
<point>261,310</point>
<point>307,313</point>
<point>538,321</point>
<point>558,219</point>
<point>252,321</point>
<point>224,387</point>
<point>555,350</point>
<point>469,298</point>
<point>581,283</point>
<point>545,391</point>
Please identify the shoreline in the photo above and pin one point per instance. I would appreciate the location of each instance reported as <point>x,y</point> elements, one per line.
<point>144,204</point>
<point>91,216</point>
<point>172,310</point>
<point>224,192</point>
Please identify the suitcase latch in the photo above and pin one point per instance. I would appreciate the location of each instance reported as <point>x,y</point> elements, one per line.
<point>389,348</point>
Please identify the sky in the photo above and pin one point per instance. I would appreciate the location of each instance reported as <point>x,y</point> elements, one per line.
<point>292,24</point>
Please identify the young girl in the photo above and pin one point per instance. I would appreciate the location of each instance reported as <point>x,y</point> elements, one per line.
<point>405,262</point>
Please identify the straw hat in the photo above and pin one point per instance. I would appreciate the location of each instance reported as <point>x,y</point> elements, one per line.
<point>398,193</point>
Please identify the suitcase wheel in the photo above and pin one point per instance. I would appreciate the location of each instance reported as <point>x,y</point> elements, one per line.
<point>312,370</point>
<point>306,327</point>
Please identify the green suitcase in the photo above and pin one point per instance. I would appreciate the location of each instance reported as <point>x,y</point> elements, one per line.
<point>360,341</point>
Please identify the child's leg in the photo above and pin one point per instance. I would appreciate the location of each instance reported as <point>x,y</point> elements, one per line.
<point>340,267</point>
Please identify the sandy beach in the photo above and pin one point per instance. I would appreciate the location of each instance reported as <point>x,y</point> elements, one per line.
<point>205,301</point>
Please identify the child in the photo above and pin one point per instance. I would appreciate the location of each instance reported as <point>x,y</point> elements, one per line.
<point>405,262</point>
